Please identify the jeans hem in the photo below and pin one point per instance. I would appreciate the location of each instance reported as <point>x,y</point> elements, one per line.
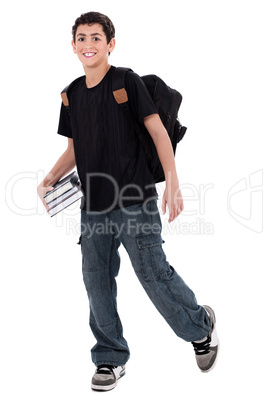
<point>110,363</point>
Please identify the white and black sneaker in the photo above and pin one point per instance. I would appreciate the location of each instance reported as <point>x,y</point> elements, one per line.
<point>106,377</point>
<point>206,350</point>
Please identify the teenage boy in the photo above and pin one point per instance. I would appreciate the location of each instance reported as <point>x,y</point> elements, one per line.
<point>120,197</point>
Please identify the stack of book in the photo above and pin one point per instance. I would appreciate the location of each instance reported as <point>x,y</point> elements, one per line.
<point>65,192</point>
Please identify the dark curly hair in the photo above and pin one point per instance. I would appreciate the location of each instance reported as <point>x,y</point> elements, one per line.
<point>95,18</point>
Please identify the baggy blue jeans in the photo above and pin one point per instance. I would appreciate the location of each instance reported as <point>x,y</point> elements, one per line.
<point>138,227</point>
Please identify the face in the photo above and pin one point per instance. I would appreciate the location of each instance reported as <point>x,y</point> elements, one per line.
<point>91,45</point>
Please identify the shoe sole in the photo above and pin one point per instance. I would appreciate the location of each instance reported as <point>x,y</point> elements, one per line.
<point>103,388</point>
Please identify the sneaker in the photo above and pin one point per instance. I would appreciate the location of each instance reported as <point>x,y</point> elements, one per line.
<point>206,350</point>
<point>106,376</point>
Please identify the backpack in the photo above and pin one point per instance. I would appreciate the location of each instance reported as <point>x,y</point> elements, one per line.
<point>167,101</point>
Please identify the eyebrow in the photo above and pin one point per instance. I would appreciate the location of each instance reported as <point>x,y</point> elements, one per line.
<point>94,34</point>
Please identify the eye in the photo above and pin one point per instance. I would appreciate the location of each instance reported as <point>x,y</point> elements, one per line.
<point>96,39</point>
<point>81,39</point>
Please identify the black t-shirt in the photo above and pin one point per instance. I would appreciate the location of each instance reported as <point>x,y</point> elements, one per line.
<point>110,160</point>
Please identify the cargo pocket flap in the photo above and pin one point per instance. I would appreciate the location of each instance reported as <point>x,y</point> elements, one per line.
<point>150,240</point>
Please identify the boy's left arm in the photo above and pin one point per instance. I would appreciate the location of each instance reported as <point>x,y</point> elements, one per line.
<point>172,195</point>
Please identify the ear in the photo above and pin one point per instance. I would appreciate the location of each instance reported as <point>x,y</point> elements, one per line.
<point>111,45</point>
<point>73,46</point>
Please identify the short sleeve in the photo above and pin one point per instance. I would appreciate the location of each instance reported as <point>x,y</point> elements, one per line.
<point>140,101</point>
<point>64,127</point>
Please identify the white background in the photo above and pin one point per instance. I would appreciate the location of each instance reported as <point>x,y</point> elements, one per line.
<point>215,54</point>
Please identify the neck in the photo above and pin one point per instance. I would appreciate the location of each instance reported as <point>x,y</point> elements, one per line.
<point>94,75</point>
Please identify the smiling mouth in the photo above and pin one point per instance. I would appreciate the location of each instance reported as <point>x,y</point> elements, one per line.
<point>89,55</point>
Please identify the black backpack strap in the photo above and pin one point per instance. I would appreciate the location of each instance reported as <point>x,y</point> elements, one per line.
<point>118,86</point>
<point>65,99</point>
<point>121,97</point>
<point>64,96</point>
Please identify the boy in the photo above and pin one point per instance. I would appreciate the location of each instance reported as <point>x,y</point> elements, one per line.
<point>120,197</point>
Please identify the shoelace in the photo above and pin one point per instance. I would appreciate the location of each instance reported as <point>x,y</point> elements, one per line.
<point>202,348</point>
<point>105,369</point>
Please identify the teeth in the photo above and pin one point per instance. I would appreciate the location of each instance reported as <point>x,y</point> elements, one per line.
<point>89,54</point>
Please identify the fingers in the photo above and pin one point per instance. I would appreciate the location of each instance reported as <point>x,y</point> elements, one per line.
<point>174,212</point>
<point>42,191</point>
<point>175,204</point>
<point>164,205</point>
<point>47,189</point>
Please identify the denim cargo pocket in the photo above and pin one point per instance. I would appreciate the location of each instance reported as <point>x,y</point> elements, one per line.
<point>153,262</point>
<point>151,240</point>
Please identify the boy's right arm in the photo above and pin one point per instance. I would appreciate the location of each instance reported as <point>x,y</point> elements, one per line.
<point>62,167</point>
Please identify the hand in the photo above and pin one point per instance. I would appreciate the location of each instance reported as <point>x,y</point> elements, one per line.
<point>41,191</point>
<point>173,198</point>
